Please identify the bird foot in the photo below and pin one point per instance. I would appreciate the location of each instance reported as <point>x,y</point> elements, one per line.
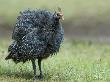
<point>40,77</point>
<point>35,78</point>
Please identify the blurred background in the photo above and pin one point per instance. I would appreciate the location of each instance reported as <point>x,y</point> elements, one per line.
<point>84,19</point>
<point>83,56</point>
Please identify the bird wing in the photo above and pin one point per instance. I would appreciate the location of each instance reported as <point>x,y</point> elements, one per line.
<point>24,25</point>
<point>30,20</point>
<point>33,45</point>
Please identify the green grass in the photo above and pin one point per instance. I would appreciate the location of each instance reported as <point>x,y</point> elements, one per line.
<point>77,10</point>
<point>77,61</point>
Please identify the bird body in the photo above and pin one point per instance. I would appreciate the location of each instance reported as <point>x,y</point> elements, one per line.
<point>37,35</point>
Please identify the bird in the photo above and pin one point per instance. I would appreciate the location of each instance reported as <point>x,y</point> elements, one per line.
<point>37,34</point>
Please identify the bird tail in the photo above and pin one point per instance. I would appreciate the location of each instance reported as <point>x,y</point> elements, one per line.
<point>9,56</point>
<point>12,56</point>
<point>14,53</point>
<point>13,48</point>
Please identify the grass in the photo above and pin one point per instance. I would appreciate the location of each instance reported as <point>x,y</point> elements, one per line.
<point>78,10</point>
<point>77,61</point>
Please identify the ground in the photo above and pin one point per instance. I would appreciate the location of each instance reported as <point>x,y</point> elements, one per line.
<point>77,61</point>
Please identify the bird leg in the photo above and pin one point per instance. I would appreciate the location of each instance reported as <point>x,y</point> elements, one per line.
<point>39,64</point>
<point>34,68</point>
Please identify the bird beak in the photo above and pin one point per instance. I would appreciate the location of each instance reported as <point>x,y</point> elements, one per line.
<point>62,17</point>
<point>61,13</point>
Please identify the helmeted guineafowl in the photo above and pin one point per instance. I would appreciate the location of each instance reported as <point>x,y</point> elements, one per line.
<point>37,35</point>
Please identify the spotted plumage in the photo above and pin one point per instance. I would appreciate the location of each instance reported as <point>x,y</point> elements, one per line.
<point>37,35</point>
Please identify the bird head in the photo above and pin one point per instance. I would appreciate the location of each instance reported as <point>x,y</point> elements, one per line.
<point>59,15</point>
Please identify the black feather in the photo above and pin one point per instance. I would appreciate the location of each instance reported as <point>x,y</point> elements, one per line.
<point>37,34</point>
